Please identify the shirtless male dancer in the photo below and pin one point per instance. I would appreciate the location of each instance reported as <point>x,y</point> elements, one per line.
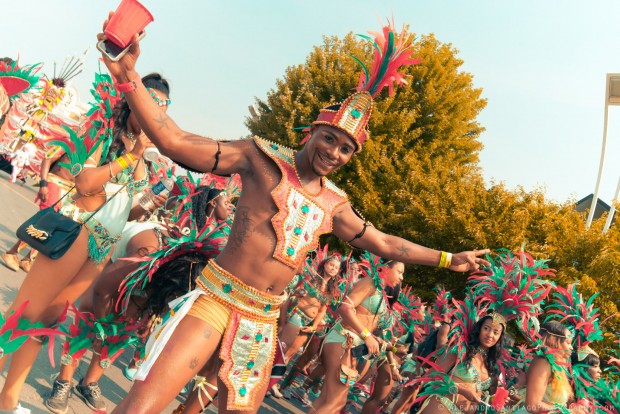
<point>287,202</point>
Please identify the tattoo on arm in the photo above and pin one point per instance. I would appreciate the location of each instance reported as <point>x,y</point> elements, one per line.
<point>161,120</point>
<point>193,363</point>
<point>404,250</point>
<point>208,332</point>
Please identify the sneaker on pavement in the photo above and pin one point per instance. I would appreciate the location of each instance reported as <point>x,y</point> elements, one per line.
<point>275,392</point>
<point>10,260</point>
<point>286,393</point>
<point>91,395</point>
<point>130,373</point>
<point>26,264</point>
<point>302,396</point>
<point>58,401</point>
<point>17,410</point>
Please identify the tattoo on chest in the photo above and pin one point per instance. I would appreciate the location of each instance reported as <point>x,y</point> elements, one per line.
<point>243,227</point>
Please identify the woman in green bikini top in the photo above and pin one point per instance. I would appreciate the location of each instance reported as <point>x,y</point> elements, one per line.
<point>475,374</point>
<point>360,312</point>
<point>307,314</point>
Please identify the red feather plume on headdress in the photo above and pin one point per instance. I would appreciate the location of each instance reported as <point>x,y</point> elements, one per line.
<point>466,314</point>
<point>391,52</point>
<point>442,306</point>
<point>581,316</point>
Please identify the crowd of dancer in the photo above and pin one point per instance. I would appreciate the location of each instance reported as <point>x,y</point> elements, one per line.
<point>220,286</point>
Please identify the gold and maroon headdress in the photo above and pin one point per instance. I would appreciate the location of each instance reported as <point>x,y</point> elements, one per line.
<point>391,52</point>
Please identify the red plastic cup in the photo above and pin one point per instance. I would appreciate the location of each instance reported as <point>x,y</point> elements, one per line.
<point>130,18</point>
<point>500,398</point>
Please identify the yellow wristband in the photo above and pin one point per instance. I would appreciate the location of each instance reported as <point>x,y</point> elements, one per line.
<point>365,333</point>
<point>445,260</point>
<point>122,162</point>
<point>130,157</point>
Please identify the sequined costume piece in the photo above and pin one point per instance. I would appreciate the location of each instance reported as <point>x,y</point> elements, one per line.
<point>57,188</point>
<point>300,319</point>
<point>302,217</point>
<point>339,334</point>
<point>249,342</point>
<point>106,226</point>
<point>558,393</point>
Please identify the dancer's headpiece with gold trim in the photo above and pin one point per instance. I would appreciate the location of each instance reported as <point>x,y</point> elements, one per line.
<point>391,52</point>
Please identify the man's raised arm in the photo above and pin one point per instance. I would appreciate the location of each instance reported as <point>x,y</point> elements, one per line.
<point>350,228</point>
<point>197,152</point>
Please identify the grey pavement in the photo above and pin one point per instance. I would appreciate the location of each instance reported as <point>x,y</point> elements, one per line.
<point>16,206</point>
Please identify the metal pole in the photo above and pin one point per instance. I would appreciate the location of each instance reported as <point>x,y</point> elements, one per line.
<point>613,209</point>
<point>602,162</point>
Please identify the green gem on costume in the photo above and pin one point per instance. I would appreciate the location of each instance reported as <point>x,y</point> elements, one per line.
<point>243,391</point>
<point>258,337</point>
<point>226,288</point>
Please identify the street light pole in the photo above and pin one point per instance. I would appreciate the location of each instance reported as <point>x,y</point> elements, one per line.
<point>612,97</point>
<point>612,211</point>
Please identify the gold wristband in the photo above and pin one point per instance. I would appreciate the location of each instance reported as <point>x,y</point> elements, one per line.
<point>122,162</point>
<point>365,334</point>
<point>448,260</point>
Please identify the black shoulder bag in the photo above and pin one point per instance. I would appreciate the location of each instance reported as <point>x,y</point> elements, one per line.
<point>51,233</point>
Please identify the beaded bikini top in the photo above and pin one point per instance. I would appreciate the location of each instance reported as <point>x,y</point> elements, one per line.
<point>302,217</point>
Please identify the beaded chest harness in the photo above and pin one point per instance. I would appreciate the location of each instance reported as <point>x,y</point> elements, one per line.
<point>302,217</point>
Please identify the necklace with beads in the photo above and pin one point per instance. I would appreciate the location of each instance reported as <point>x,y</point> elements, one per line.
<point>483,352</point>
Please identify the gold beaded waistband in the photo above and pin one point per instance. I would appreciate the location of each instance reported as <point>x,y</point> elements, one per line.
<point>228,290</point>
<point>61,182</point>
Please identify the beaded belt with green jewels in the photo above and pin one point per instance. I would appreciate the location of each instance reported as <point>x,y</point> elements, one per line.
<point>250,339</point>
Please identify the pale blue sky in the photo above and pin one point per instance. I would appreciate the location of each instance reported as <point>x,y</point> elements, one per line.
<point>542,65</point>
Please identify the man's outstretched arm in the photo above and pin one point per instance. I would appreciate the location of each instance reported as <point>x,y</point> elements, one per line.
<point>351,228</point>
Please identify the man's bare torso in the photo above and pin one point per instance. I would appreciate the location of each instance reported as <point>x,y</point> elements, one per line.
<point>249,252</point>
